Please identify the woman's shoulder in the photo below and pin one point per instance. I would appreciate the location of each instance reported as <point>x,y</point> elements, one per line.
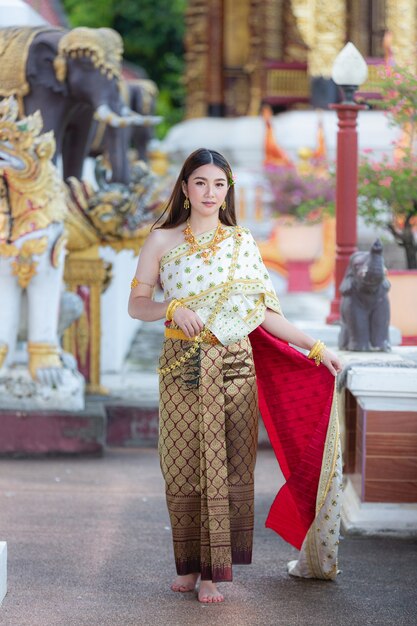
<point>164,239</point>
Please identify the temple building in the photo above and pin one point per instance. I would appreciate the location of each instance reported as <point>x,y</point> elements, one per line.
<point>241,54</point>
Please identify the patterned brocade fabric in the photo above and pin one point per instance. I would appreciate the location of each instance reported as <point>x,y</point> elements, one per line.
<point>199,284</point>
<point>207,445</point>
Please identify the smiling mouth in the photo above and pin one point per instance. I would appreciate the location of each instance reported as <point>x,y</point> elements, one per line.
<point>209,203</point>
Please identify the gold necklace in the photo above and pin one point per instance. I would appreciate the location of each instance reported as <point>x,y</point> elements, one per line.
<point>206,250</point>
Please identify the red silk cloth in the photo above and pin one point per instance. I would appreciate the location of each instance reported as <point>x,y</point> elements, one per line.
<point>295,401</point>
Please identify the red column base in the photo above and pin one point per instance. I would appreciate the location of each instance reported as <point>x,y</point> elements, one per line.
<point>299,276</point>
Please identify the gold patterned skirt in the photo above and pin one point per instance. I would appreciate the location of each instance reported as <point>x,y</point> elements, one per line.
<point>207,444</point>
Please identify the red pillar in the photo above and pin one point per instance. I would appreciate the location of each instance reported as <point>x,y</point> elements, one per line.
<point>346,195</point>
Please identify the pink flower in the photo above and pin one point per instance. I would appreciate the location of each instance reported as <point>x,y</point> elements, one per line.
<point>386,182</point>
<point>367,150</point>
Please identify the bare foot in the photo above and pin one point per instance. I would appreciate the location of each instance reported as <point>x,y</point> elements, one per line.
<point>185,583</point>
<point>208,592</point>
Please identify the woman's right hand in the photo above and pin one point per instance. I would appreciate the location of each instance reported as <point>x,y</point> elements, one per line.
<point>188,321</point>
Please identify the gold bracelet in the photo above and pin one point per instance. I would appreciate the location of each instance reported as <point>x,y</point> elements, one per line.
<point>317,347</point>
<point>176,306</point>
<point>316,352</point>
<point>172,306</point>
<point>168,311</point>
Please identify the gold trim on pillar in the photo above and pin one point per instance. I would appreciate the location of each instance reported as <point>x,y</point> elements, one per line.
<point>273,40</point>
<point>254,66</point>
<point>401,17</point>
<point>196,52</point>
<point>322,24</point>
<point>330,38</point>
<point>83,338</point>
<point>304,12</point>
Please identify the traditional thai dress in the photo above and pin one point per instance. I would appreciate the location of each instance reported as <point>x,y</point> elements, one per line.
<point>209,413</point>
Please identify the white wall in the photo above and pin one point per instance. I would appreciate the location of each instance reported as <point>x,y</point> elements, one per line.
<point>241,140</point>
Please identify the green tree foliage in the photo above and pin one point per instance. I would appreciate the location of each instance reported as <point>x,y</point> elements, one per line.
<point>152,32</point>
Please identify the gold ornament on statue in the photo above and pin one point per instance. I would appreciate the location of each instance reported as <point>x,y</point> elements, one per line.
<point>42,355</point>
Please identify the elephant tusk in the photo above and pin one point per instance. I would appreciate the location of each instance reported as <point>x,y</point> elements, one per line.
<point>104,114</point>
<point>137,119</point>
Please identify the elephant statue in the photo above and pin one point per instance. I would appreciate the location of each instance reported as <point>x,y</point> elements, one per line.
<point>72,77</point>
<point>365,310</point>
<point>140,95</point>
<point>32,242</point>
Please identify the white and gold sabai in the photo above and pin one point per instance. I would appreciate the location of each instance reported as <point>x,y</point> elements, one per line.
<point>251,289</point>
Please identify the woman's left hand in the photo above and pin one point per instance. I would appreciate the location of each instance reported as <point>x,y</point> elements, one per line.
<point>331,361</point>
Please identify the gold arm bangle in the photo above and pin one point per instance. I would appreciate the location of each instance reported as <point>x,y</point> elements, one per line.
<point>135,282</point>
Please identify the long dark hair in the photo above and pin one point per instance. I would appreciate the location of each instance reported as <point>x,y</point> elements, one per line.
<point>177,214</point>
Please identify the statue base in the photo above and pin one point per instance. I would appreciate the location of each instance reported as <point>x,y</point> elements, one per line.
<point>36,420</point>
<point>19,392</point>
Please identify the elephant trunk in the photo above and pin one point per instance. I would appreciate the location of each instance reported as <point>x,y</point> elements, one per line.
<point>105,114</point>
<point>375,269</point>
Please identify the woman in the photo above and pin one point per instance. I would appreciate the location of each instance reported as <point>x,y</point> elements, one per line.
<point>217,291</point>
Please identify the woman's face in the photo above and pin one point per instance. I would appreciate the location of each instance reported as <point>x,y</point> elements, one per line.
<point>206,189</point>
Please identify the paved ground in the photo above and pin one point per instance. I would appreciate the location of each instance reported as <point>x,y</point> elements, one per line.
<point>89,540</point>
<point>89,545</point>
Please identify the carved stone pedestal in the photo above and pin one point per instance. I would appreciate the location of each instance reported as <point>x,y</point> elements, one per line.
<point>19,392</point>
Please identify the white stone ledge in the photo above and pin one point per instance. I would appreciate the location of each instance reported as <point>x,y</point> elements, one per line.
<point>377,518</point>
<point>3,570</point>
<point>384,388</point>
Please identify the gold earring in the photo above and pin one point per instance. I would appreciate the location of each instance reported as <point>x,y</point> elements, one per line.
<point>186,204</point>
<point>223,206</point>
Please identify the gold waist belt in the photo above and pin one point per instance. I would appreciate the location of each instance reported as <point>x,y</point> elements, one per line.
<point>177,333</point>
